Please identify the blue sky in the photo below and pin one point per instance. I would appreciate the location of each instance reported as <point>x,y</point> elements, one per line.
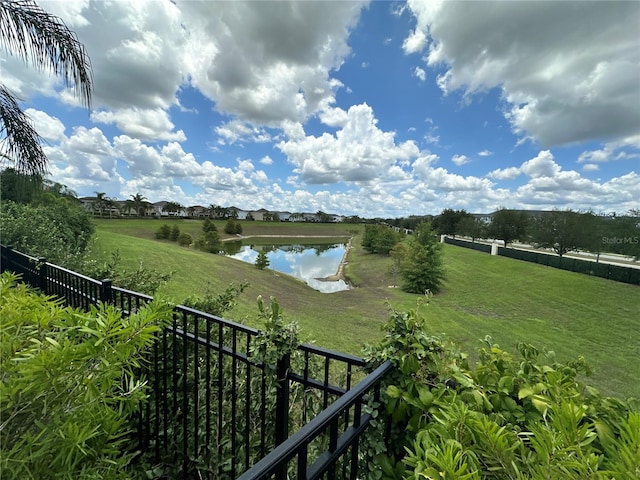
<point>372,109</point>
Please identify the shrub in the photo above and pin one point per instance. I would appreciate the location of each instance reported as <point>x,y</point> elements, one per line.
<point>68,384</point>
<point>216,304</point>
<point>209,242</point>
<point>233,227</point>
<point>164,232</point>
<point>59,231</point>
<point>209,226</point>
<point>184,239</point>
<point>508,417</point>
<point>175,233</point>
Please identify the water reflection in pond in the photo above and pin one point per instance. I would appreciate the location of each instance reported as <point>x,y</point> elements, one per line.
<point>310,263</point>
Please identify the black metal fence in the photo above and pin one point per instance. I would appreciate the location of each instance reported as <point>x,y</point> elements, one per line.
<point>215,412</point>
<point>609,271</point>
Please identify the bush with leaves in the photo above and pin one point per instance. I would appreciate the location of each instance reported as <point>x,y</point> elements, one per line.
<point>379,239</point>
<point>164,232</point>
<point>68,384</point>
<point>233,227</point>
<point>60,231</point>
<point>175,233</point>
<point>209,226</point>
<point>216,304</point>
<point>184,239</point>
<point>508,417</point>
<point>140,279</point>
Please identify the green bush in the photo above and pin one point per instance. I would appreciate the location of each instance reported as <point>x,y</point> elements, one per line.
<point>164,232</point>
<point>68,384</point>
<point>522,416</point>
<point>61,231</point>
<point>209,226</point>
<point>233,227</point>
<point>184,239</point>
<point>175,233</point>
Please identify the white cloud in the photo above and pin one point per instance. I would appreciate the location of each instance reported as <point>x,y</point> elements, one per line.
<point>415,42</point>
<point>460,159</point>
<point>359,152</point>
<point>613,151</point>
<point>420,74</point>
<point>543,165</point>
<point>267,62</point>
<point>266,160</point>
<point>504,173</point>
<point>145,124</point>
<point>568,70</point>
<point>49,128</point>
<point>239,131</point>
<point>485,153</point>
<point>590,167</point>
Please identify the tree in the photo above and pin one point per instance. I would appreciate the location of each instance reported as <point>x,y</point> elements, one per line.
<point>184,239</point>
<point>448,222</point>
<point>18,187</point>
<point>262,261</point>
<point>175,233</point>
<point>421,268</point>
<point>39,38</point>
<point>379,239</point>
<point>232,227</point>
<point>472,227</point>
<point>139,204</point>
<point>209,226</point>
<point>164,232</point>
<point>172,207</point>
<point>562,231</point>
<point>508,225</point>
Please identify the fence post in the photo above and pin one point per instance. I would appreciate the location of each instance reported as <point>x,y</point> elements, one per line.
<point>105,291</point>
<point>9,256</point>
<point>282,399</point>
<point>41,268</point>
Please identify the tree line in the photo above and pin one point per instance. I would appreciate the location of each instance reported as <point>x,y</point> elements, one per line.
<point>562,231</point>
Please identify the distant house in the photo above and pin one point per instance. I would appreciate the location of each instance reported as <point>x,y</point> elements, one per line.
<point>258,215</point>
<point>159,210</point>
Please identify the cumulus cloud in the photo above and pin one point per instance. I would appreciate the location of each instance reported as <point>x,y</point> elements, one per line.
<point>267,62</point>
<point>568,72</point>
<point>613,151</point>
<point>359,152</point>
<point>485,153</point>
<point>48,127</point>
<point>420,74</point>
<point>460,159</point>
<point>239,131</point>
<point>145,124</point>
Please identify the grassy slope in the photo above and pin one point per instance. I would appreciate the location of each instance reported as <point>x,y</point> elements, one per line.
<point>509,300</point>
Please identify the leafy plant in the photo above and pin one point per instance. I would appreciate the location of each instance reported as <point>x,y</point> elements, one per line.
<point>175,233</point>
<point>68,383</point>
<point>508,417</point>
<point>164,232</point>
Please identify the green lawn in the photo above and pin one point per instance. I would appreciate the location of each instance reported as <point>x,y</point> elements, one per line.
<point>510,300</point>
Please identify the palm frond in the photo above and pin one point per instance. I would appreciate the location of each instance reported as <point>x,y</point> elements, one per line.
<point>21,143</point>
<point>34,35</point>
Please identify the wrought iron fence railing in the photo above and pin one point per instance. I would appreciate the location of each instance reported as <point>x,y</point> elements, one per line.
<point>213,410</point>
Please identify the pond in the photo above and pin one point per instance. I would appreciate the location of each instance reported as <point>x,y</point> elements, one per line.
<point>313,264</point>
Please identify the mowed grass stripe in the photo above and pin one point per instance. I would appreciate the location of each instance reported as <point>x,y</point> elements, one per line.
<point>510,300</point>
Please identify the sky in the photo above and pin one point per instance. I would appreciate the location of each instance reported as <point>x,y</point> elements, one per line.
<point>375,109</point>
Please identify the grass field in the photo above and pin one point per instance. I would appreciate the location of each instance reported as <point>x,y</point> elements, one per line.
<point>510,300</point>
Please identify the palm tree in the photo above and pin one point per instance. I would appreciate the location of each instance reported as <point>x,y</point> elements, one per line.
<point>100,203</point>
<point>139,204</point>
<point>29,32</point>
